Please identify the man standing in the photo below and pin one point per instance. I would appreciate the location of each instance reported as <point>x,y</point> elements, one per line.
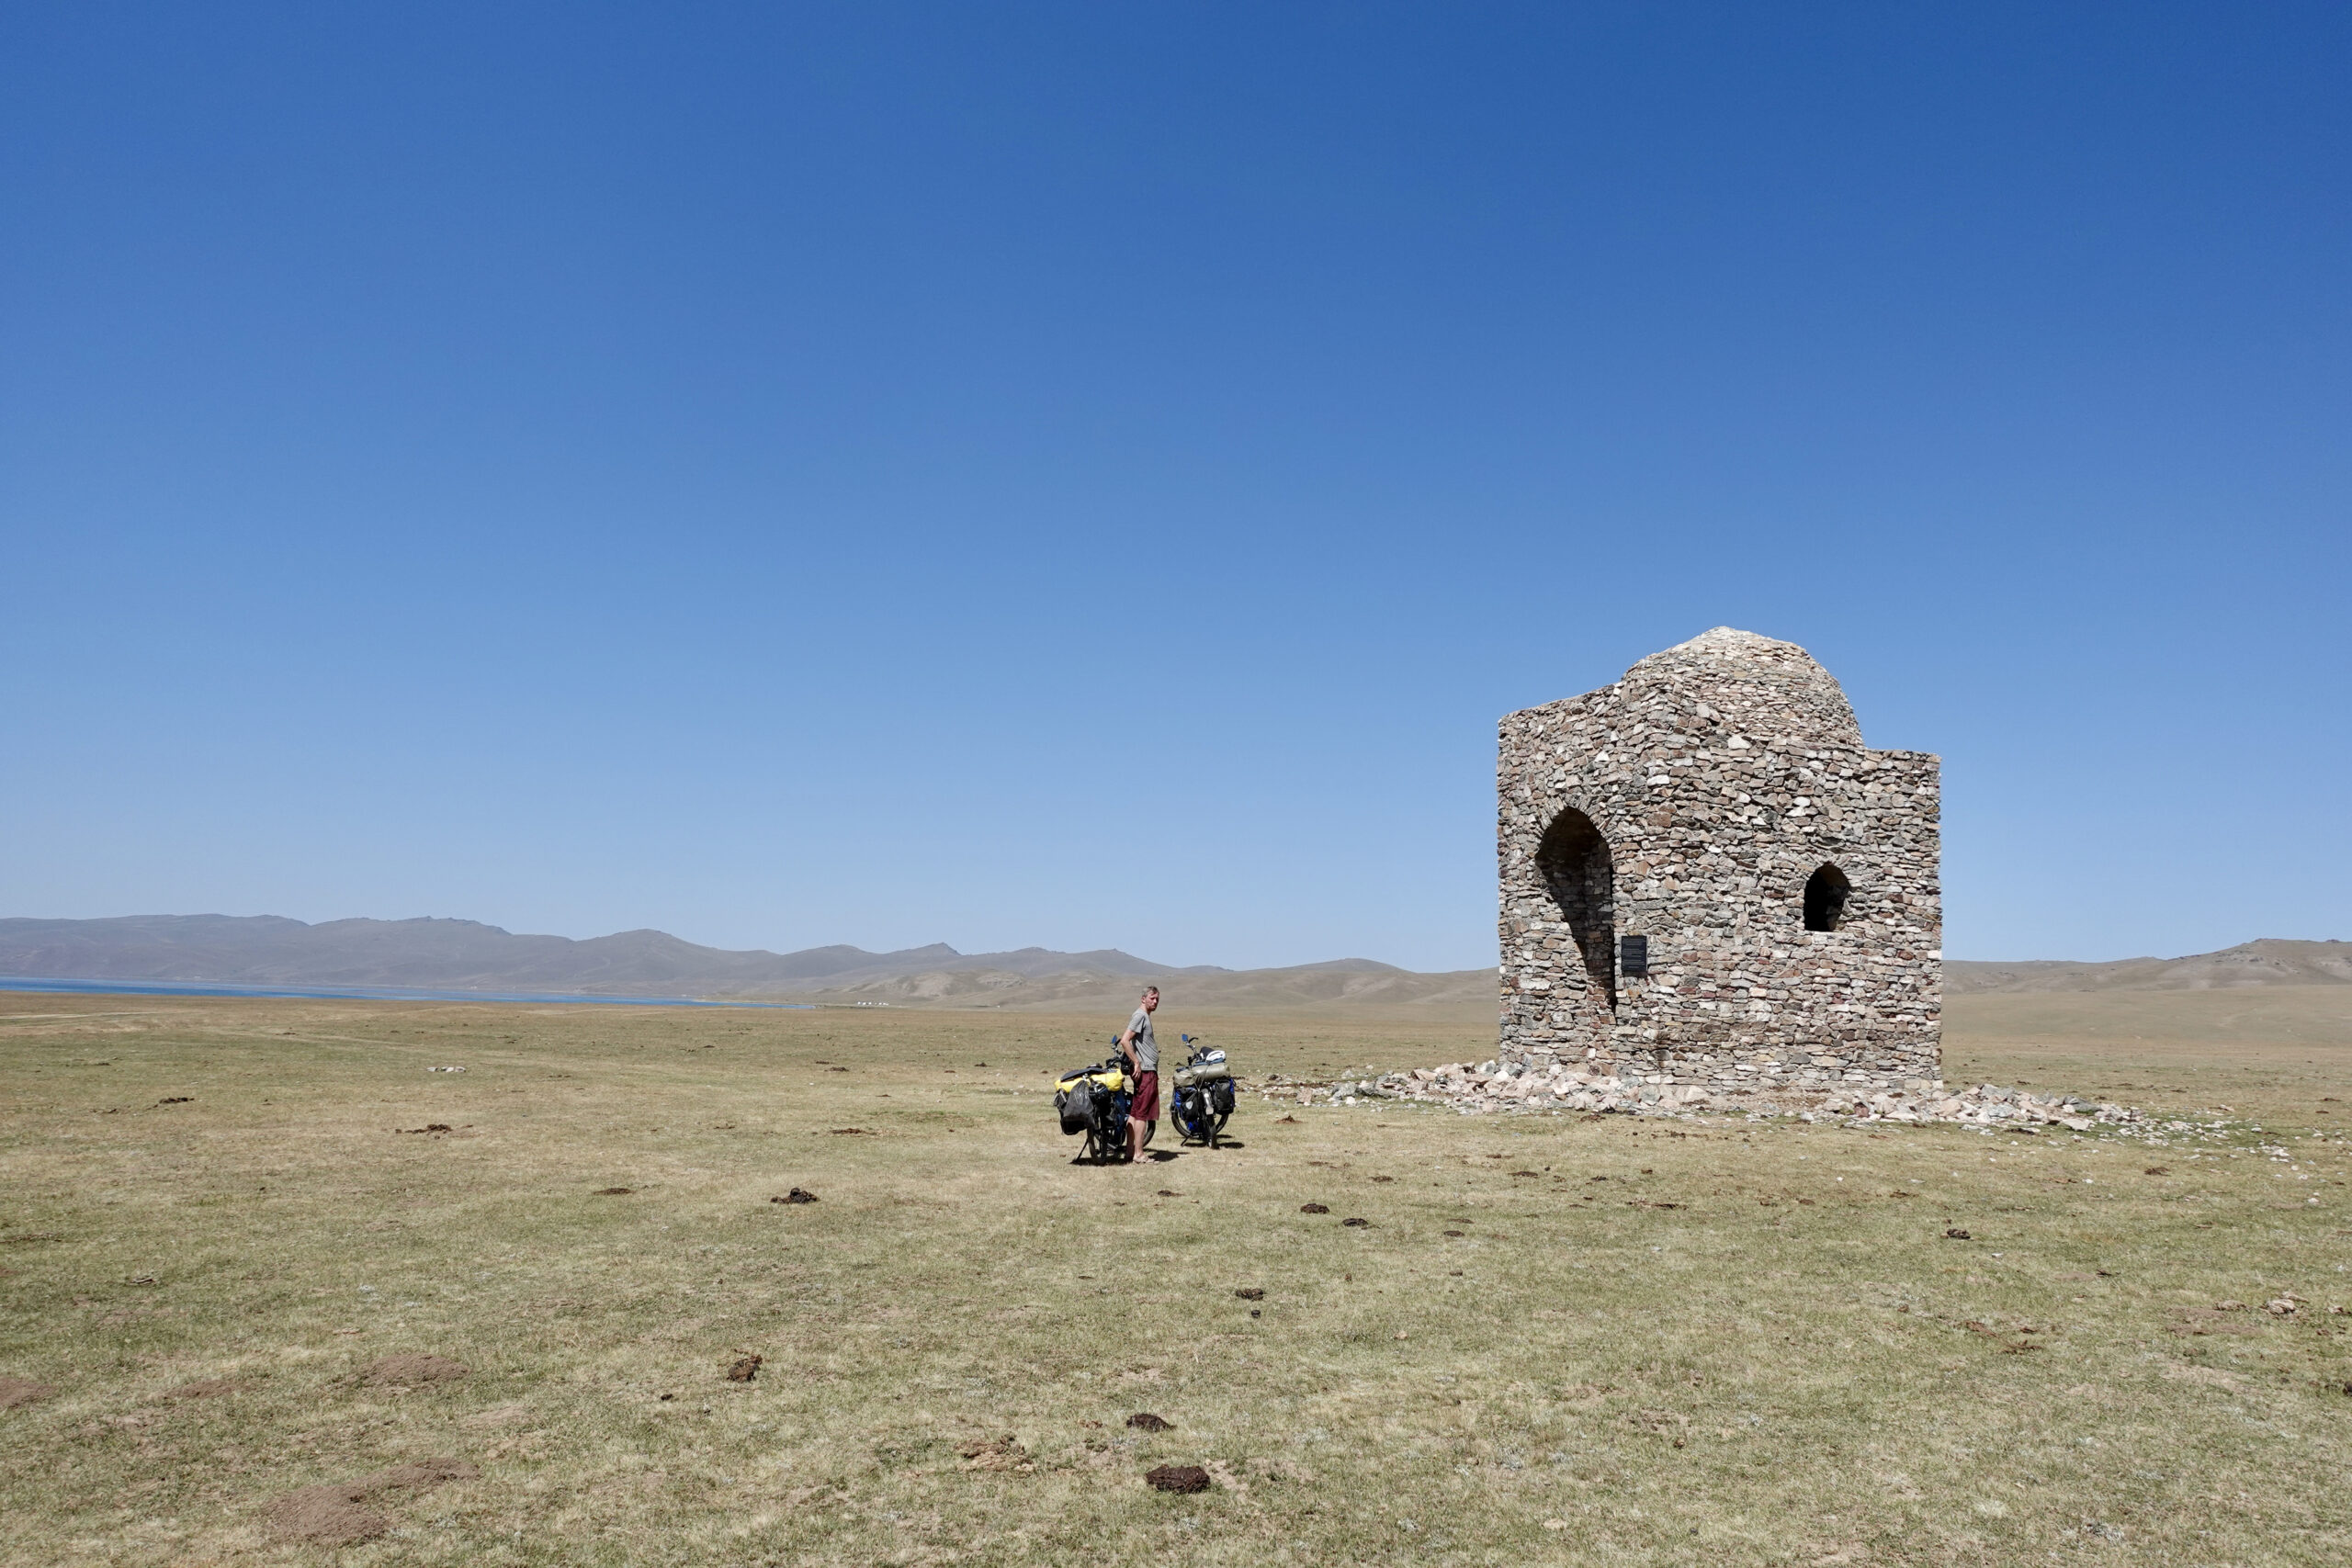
<point>1142,1052</point>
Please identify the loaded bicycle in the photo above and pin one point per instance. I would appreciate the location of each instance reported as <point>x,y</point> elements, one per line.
<point>1203,1094</point>
<point>1094,1102</point>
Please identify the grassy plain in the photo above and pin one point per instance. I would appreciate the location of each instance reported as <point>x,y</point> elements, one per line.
<point>2265,1051</point>
<point>1557,1340</point>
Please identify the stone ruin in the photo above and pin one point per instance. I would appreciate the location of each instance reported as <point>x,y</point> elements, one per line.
<point>1708,881</point>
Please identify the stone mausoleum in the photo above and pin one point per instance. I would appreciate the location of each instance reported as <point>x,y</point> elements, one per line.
<point>1709,880</point>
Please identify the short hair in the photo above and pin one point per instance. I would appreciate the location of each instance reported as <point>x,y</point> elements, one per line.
<point>1150,992</point>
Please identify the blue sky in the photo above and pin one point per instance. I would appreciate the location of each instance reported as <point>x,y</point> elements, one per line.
<point>1091,475</point>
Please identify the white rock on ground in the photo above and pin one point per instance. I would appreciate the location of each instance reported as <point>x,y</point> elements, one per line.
<point>1487,1088</point>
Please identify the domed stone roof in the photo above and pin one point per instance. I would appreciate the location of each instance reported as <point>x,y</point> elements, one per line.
<point>1768,691</point>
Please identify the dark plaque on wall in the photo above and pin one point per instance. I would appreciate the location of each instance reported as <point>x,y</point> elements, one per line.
<point>1633,955</point>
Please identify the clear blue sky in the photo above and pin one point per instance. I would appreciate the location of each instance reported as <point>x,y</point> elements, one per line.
<point>1092,475</point>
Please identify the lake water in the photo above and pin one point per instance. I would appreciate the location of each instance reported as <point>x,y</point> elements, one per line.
<point>350,993</point>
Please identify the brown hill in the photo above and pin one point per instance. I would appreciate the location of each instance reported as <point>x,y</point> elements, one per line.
<point>443,954</point>
<point>465,956</point>
<point>2271,961</point>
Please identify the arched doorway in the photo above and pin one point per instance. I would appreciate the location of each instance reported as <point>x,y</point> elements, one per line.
<point>1825,899</point>
<point>1582,879</point>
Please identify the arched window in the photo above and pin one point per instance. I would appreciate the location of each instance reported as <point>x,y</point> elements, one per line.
<point>1575,862</point>
<point>1825,899</point>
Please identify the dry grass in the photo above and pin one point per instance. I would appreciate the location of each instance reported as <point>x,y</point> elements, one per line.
<point>1649,1342</point>
<point>2271,1052</point>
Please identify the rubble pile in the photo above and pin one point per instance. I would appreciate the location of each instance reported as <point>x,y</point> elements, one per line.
<point>1495,1087</point>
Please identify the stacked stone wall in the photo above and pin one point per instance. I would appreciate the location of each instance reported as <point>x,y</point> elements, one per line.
<point>1721,775</point>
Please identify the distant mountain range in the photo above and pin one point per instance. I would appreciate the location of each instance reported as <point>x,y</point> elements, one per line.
<point>465,956</point>
<point>2271,961</point>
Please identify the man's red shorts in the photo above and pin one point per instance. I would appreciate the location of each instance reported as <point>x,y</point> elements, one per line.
<point>1144,1105</point>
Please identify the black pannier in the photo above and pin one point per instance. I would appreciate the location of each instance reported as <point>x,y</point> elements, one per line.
<point>1076,1106</point>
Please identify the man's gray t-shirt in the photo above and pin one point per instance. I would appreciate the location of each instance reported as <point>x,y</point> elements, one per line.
<point>1147,1048</point>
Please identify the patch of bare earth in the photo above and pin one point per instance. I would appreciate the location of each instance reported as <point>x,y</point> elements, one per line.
<point>338,1513</point>
<point>412,1372</point>
<point>23,1391</point>
<point>997,1453</point>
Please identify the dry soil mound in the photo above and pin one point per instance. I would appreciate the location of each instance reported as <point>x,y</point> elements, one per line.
<point>22,1391</point>
<point>410,1370</point>
<point>337,1515</point>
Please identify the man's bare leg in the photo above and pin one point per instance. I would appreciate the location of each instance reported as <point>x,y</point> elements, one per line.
<point>1135,1141</point>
